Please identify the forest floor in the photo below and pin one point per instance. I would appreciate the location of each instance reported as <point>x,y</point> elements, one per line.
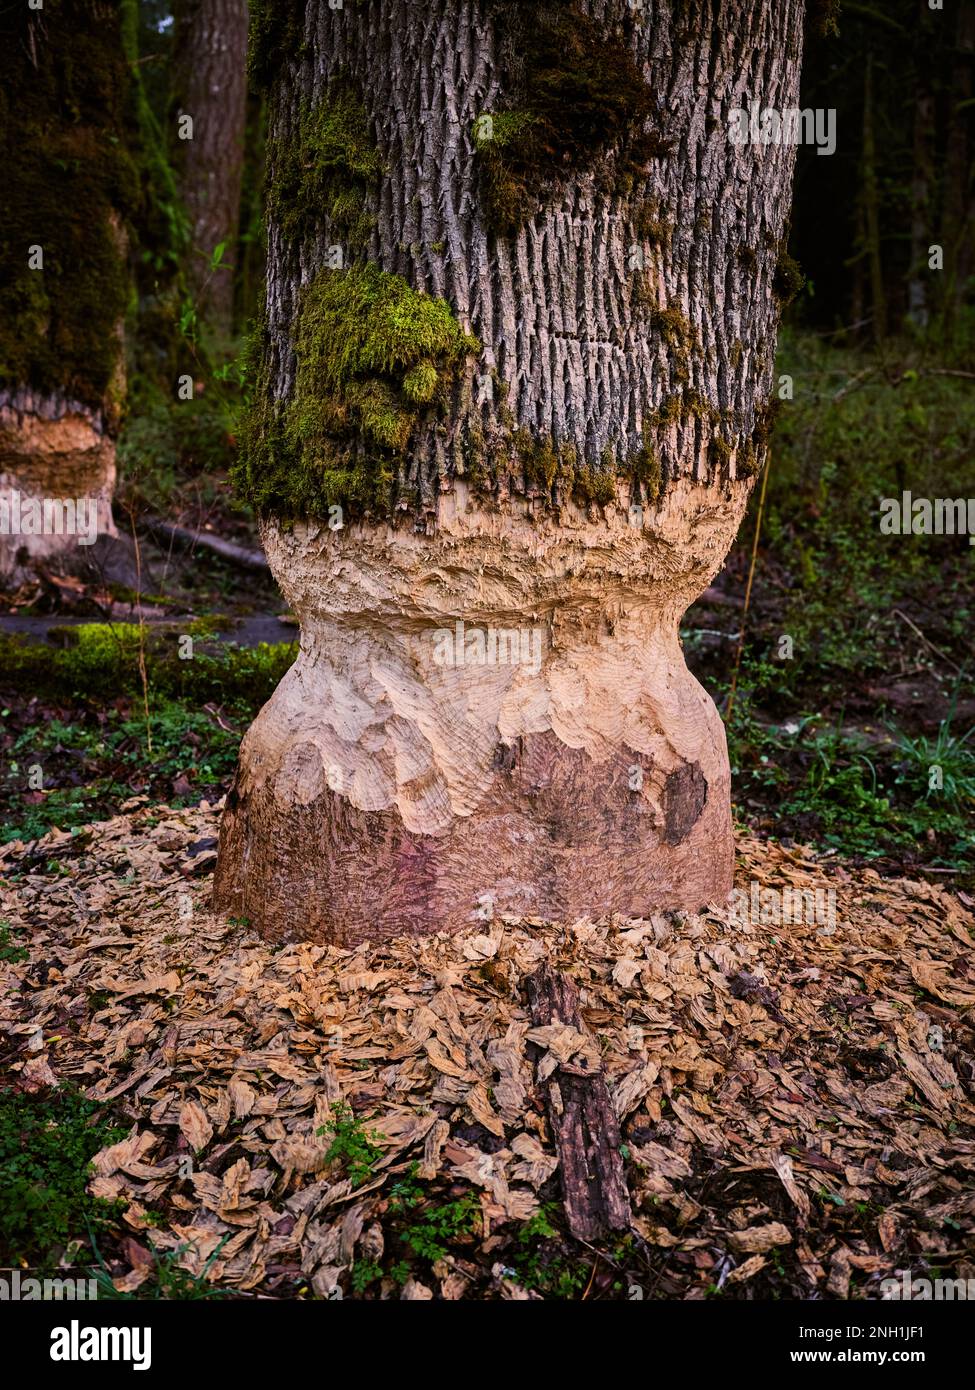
<point>797,1102</point>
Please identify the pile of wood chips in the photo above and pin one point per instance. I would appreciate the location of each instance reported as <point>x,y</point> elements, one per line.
<point>795,1104</point>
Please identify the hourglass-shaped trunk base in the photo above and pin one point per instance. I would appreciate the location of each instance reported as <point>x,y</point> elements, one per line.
<point>496,719</point>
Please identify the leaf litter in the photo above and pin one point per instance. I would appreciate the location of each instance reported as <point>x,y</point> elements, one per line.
<point>796,1105</point>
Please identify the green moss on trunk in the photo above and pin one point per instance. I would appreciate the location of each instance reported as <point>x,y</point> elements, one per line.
<point>374,357</point>
<point>325,171</point>
<point>788,279</point>
<point>573,92</point>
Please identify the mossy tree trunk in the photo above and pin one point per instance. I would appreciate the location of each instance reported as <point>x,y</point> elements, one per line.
<point>513,388</point>
<point>70,186</point>
<point>210,86</point>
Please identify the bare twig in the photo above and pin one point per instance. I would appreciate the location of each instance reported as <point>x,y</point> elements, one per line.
<point>927,641</point>
<point>748,591</point>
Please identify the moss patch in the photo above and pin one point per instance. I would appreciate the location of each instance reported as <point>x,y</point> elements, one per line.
<point>673,326</point>
<point>70,184</point>
<point>647,224</point>
<point>574,91</point>
<point>788,279</point>
<point>325,170</point>
<point>373,357</point>
<point>100,661</point>
<point>719,453</point>
<point>645,467</point>
<point>558,472</point>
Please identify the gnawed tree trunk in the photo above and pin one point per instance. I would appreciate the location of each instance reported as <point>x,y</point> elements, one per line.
<point>69,186</point>
<point>210,86</point>
<point>514,387</point>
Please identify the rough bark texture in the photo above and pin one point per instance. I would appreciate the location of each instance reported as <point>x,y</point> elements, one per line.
<point>567,320</point>
<point>628,318</point>
<point>583,1121</point>
<point>209,78</point>
<point>923,180</point>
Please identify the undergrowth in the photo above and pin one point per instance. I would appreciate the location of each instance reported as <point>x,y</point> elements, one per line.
<point>47,1142</point>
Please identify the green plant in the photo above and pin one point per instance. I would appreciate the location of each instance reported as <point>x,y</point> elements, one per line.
<point>352,1146</point>
<point>47,1142</point>
<point>951,754</point>
<point>91,766</point>
<point>364,1273</point>
<point>10,952</point>
<point>540,1262</point>
<point>428,1228</point>
<point>167,1280</point>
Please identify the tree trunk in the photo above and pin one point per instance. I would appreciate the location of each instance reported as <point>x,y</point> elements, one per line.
<point>922,175</point>
<point>871,209</point>
<point>70,184</point>
<point>534,465</point>
<point>210,86</point>
<point>959,197</point>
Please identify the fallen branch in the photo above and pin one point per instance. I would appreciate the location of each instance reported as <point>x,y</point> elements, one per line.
<point>582,1120</point>
<point>188,540</point>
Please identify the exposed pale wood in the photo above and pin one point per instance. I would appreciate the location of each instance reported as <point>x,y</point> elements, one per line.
<point>52,447</point>
<point>379,791</point>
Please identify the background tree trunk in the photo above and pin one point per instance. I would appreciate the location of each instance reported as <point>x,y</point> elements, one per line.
<point>959,188</point>
<point>581,490</point>
<point>210,85</point>
<point>871,209</point>
<point>922,174</point>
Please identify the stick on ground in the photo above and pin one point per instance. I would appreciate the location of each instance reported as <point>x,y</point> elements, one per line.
<point>583,1122</point>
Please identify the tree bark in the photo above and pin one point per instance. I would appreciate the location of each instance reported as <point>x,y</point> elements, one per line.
<point>922,176</point>
<point>210,85</point>
<point>959,197</point>
<point>582,1119</point>
<point>620,394</point>
<point>871,209</point>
